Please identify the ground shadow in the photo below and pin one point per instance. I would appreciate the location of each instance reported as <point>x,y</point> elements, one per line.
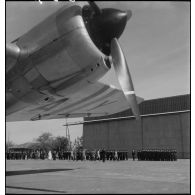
<point>26,172</point>
<point>35,189</point>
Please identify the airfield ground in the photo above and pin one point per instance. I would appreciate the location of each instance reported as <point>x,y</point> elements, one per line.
<point>61,177</point>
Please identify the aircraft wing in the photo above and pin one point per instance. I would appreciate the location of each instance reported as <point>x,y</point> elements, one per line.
<point>97,99</point>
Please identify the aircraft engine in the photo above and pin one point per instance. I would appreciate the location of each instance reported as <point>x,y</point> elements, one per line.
<point>105,26</point>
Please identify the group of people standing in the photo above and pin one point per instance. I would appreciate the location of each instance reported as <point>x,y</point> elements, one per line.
<point>25,155</point>
<point>93,155</point>
<point>157,155</point>
<point>75,155</point>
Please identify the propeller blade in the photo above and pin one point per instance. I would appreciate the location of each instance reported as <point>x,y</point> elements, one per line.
<point>124,77</point>
<point>96,9</point>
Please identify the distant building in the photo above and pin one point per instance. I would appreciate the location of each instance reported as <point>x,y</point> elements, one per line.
<point>165,124</point>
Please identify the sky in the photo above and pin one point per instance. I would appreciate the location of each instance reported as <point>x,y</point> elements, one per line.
<point>156,43</point>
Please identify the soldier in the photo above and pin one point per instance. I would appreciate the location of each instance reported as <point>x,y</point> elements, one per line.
<point>168,155</point>
<point>163,155</point>
<point>87,155</point>
<point>138,155</point>
<point>143,153</point>
<point>77,155</point>
<point>73,154</point>
<point>54,155</point>
<point>83,154</point>
<point>7,155</point>
<point>59,155</point>
<point>146,154</point>
<point>107,155</point>
<point>120,155</point>
<point>43,155</point>
<point>93,155</point>
<point>150,153</point>
<point>115,155</point>
<point>175,155</point>
<point>158,155</point>
<point>63,155</point>
<point>133,154</point>
<point>126,155</point>
<point>153,155</point>
<point>103,155</point>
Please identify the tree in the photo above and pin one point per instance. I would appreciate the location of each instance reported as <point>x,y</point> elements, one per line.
<point>60,143</point>
<point>45,141</point>
<point>78,143</point>
<point>8,145</point>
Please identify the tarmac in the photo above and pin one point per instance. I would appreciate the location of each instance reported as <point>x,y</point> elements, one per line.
<point>94,177</point>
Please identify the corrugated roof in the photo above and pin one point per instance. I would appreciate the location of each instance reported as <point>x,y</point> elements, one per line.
<point>160,105</point>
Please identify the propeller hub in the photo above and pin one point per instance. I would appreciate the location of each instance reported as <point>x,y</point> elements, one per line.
<point>105,25</point>
<point>111,23</point>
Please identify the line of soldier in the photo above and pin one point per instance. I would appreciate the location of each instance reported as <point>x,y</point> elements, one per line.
<point>21,155</point>
<point>91,155</point>
<point>69,155</point>
<point>157,154</point>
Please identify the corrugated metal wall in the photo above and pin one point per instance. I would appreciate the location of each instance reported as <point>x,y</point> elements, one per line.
<point>159,131</point>
<point>160,105</point>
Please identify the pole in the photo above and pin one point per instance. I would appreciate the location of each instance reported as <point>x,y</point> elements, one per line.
<point>142,133</point>
<point>68,134</point>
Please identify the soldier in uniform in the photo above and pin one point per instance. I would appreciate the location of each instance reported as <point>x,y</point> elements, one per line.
<point>103,155</point>
<point>84,154</point>
<point>143,155</point>
<point>138,155</point>
<point>72,155</point>
<point>154,154</point>
<point>123,155</point>
<point>175,155</point>
<point>126,155</point>
<point>158,154</point>
<point>150,152</point>
<point>146,154</point>
<point>54,155</point>
<point>115,155</point>
<point>133,154</point>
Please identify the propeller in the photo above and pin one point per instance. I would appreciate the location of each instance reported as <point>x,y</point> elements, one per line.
<point>98,11</point>
<point>107,26</point>
<point>94,6</point>
<point>124,76</point>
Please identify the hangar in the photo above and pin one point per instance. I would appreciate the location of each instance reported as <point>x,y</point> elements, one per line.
<point>164,124</point>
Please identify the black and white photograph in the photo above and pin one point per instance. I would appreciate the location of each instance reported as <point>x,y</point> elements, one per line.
<point>97,97</point>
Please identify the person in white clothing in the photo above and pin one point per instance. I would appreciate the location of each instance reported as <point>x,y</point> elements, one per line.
<point>116,155</point>
<point>50,155</point>
<point>98,154</point>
